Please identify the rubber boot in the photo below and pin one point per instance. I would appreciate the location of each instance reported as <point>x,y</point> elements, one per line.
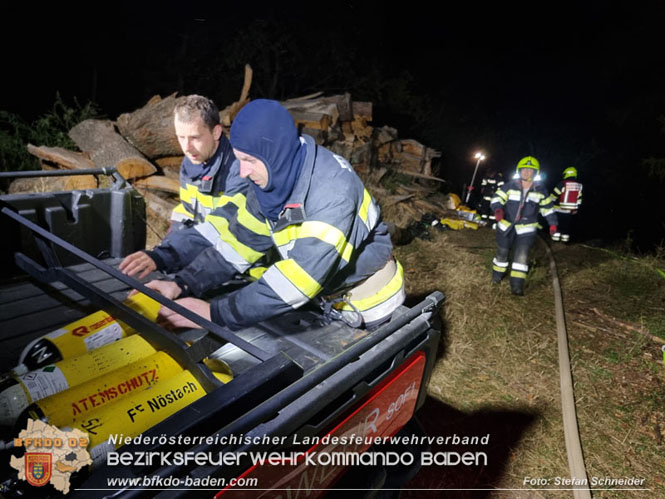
<point>497,277</point>
<point>517,286</point>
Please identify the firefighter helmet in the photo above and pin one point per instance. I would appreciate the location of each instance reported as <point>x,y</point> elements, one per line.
<point>570,172</point>
<point>528,162</point>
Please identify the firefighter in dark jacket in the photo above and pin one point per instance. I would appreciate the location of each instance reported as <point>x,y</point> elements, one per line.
<point>567,199</point>
<point>488,186</point>
<point>203,172</point>
<point>304,202</point>
<point>516,206</point>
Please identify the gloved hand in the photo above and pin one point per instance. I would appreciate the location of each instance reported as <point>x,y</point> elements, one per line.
<point>553,229</point>
<point>498,215</point>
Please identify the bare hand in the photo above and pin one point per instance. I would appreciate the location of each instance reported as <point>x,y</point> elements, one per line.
<point>138,262</point>
<point>170,320</point>
<point>169,289</point>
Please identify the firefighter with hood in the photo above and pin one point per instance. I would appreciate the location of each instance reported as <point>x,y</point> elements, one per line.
<point>307,204</point>
<point>567,199</point>
<point>516,206</point>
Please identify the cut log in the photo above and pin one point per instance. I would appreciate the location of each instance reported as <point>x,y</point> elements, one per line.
<point>158,183</point>
<point>81,182</point>
<point>315,120</point>
<point>362,110</point>
<point>62,158</point>
<point>170,166</point>
<point>421,175</point>
<point>361,129</point>
<point>150,129</point>
<point>107,148</point>
<point>384,135</point>
<point>229,113</point>
<point>172,162</point>
<point>159,207</point>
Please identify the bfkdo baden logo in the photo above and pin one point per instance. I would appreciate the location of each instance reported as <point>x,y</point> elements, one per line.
<point>51,455</point>
<point>37,468</point>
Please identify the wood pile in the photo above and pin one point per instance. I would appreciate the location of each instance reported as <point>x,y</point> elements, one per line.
<point>143,147</point>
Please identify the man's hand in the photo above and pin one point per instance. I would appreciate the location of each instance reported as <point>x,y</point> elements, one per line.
<point>498,214</point>
<point>138,262</point>
<point>169,289</point>
<point>170,320</point>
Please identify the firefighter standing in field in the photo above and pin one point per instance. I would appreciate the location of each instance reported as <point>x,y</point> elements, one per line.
<point>488,186</point>
<point>567,199</point>
<point>516,206</point>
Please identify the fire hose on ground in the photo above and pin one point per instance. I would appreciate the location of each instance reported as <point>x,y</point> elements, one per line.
<point>570,428</point>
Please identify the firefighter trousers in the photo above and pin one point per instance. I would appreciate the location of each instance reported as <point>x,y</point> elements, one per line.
<point>565,227</point>
<point>521,246</point>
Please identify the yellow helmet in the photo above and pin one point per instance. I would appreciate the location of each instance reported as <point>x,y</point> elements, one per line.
<point>570,172</point>
<point>529,162</point>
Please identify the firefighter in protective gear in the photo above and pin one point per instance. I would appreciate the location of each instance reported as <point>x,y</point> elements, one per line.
<point>208,158</point>
<point>203,173</point>
<point>309,205</point>
<point>567,199</point>
<point>488,186</point>
<point>516,206</point>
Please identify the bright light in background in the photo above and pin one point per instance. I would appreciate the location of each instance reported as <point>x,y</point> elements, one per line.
<point>480,157</point>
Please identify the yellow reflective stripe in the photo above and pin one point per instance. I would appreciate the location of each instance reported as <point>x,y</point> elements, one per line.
<point>297,276</point>
<point>369,212</point>
<point>501,194</point>
<point>245,218</point>
<point>257,272</point>
<point>318,230</point>
<point>188,193</point>
<point>181,210</point>
<point>206,200</point>
<point>518,274</point>
<point>393,286</point>
<point>221,225</point>
<point>499,269</point>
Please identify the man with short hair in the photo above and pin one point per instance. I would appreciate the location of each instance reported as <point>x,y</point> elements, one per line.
<point>203,174</point>
<point>310,206</point>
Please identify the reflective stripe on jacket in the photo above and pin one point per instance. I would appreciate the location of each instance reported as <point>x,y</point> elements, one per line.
<point>521,212</point>
<point>330,237</point>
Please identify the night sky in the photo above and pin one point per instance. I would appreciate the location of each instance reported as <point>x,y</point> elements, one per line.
<point>579,84</point>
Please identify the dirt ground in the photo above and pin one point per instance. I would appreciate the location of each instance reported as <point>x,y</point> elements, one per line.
<point>498,376</point>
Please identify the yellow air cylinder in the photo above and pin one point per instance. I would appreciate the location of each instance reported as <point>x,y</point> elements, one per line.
<point>72,405</point>
<point>18,392</point>
<point>138,412</point>
<point>83,335</point>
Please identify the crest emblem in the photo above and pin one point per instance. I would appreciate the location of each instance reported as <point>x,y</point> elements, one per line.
<point>37,468</point>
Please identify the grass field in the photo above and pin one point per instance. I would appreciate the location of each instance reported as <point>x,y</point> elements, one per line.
<point>498,368</point>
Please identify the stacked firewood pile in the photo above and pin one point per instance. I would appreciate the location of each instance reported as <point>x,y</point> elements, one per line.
<point>142,146</point>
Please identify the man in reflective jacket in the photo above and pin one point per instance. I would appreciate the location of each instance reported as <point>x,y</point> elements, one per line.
<point>203,172</point>
<point>488,186</point>
<point>516,206</point>
<point>567,199</point>
<point>309,205</point>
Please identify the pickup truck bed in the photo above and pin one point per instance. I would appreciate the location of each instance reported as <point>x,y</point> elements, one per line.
<point>310,379</point>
